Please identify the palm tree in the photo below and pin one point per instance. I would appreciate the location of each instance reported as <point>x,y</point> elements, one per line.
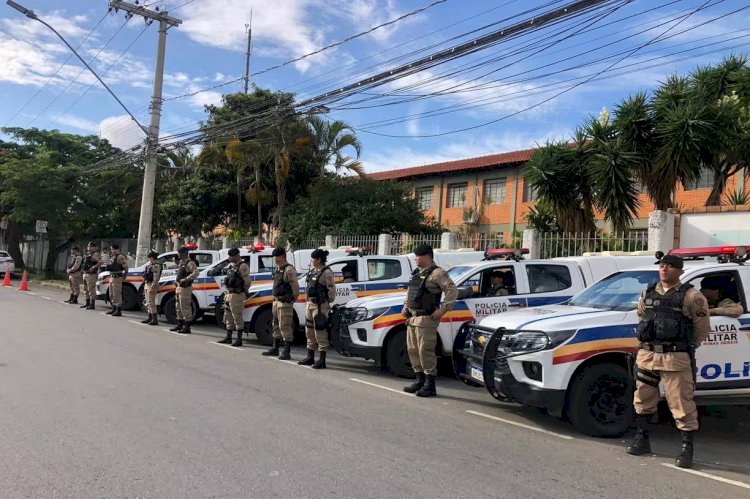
<point>331,140</point>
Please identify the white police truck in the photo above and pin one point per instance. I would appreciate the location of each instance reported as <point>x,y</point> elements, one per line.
<point>375,328</point>
<point>572,359</point>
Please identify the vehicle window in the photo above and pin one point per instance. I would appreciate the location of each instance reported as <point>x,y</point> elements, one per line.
<point>506,287</point>
<point>728,281</point>
<point>345,271</point>
<point>619,291</point>
<point>203,259</point>
<point>3,253</point>
<point>266,263</point>
<point>548,278</point>
<point>455,273</point>
<point>377,270</point>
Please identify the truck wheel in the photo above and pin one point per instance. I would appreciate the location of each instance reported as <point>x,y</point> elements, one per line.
<point>219,313</point>
<point>601,401</point>
<point>397,357</point>
<point>264,327</point>
<point>142,300</point>
<point>130,298</point>
<point>170,312</point>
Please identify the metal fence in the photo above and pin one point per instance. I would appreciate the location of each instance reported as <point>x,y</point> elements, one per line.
<point>560,244</point>
<point>358,241</point>
<point>310,243</point>
<point>481,241</point>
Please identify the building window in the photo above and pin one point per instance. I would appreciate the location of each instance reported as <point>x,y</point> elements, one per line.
<point>457,195</point>
<point>705,181</point>
<point>494,191</point>
<point>424,198</point>
<point>529,193</point>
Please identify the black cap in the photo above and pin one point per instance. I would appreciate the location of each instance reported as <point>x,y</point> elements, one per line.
<point>153,254</point>
<point>423,249</point>
<point>673,260</point>
<point>278,252</point>
<point>349,267</point>
<point>182,250</point>
<point>498,273</point>
<point>93,243</point>
<point>114,246</point>
<point>715,282</point>
<point>233,252</point>
<point>319,253</point>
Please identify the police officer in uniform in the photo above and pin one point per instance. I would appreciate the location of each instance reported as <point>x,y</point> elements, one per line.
<point>285,293</point>
<point>714,288</point>
<point>90,271</point>
<point>118,269</point>
<point>321,293</point>
<point>674,322</point>
<point>497,285</point>
<point>237,281</point>
<point>75,275</point>
<point>187,271</point>
<point>151,277</point>
<point>423,312</point>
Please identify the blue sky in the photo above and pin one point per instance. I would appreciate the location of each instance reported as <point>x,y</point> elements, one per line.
<point>531,88</point>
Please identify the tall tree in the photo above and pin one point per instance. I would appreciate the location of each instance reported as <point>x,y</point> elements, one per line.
<point>332,141</point>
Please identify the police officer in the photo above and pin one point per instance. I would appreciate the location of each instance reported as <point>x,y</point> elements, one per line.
<point>90,271</point>
<point>423,312</point>
<point>151,277</point>
<point>674,322</point>
<point>714,288</point>
<point>187,271</point>
<point>285,293</point>
<point>237,281</point>
<point>348,273</point>
<point>497,284</point>
<point>75,274</point>
<point>321,292</point>
<point>118,269</point>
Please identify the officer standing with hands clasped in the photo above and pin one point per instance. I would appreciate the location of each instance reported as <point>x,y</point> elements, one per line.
<point>74,275</point>
<point>674,321</point>
<point>423,312</point>
<point>151,277</point>
<point>321,292</point>
<point>285,293</point>
<point>187,271</point>
<point>237,281</point>
<point>118,269</point>
<point>90,271</point>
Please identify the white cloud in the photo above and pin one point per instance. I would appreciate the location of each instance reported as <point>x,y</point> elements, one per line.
<point>79,123</point>
<point>121,131</point>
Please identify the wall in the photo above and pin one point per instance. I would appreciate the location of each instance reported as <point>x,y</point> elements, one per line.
<point>712,227</point>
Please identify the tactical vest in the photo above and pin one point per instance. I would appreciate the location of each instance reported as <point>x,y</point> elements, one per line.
<point>148,275</point>
<point>282,290</point>
<point>317,292</point>
<point>670,325</point>
<point>419,298</point>
<point>234,281</point>
<point>88,262</point>
<point>116,266</point>
<point>182,272</point>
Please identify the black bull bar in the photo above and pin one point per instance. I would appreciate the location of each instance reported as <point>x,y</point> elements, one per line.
<point>496,350</point>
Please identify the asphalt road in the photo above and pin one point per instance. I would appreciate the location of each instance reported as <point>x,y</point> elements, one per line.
<point>95,406</point>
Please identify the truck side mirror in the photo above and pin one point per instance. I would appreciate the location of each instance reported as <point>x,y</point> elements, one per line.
<point>465,292</point>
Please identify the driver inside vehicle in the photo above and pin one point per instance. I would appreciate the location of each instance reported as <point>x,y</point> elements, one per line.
<point>719,290</point>
<point>497,285</point>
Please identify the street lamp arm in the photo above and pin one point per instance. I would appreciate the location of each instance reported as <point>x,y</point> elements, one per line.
<point>31,15</point>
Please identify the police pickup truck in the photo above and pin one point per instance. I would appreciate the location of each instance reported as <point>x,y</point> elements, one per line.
<point>208,287</point>
<point>374,328</point>
<point>572,359</point>
<point>356,276</point>
<point>133,287</point>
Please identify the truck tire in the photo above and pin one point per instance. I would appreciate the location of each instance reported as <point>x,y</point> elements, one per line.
<point>129,298</point>
<point>170,310</point>
<point>263,328</point>
<point>601,401</point>
<point>219,313</point>
<point>397,357</point>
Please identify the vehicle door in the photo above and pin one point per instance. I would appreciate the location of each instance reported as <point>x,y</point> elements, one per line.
<point>203,259</point>
<point>214,288</point>
<point>723,360</point>
<point>548,283</point>
<point>266,266</point>
<point>385,275</point>
<point>350,287</point>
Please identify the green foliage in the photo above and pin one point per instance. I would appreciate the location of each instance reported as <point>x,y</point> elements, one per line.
<point>736,198</point>
<point>356,206</point>
<point>541,217</point>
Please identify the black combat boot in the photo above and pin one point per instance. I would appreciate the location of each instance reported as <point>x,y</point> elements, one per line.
<point>309,360</point>
<point>287,353</point>
<point>685,459</point>
<point>227,339</point>
<point>117,312</point>
<point>428,390</point>
<point>238,341</point>
<point>321,363</point>
<point>274,350</point>
<point>185,328</point>
<point>416,385</point>
<point>74,300</point>
<point>177,328</point>
<point>86,305</point>
<point>70,299</point>
<point>92,305</point>
<point>111,310</point>
<point>641,444</point>
<point>154,320</point>
<point>147,320</point>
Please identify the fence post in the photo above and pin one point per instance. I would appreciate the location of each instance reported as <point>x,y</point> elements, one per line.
<point>384,244</point>
<point>660,231</point>
<point>202,243</point>
<point>331,241</point>
<point>159,245</point>
<point>448,241</point>
<point>532,240</point>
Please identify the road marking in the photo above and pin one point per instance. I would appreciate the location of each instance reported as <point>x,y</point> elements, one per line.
<point>47,298</point>
<point>356,380</point>
<point>521,425</point>
<point>225,346</point>
<point>138,323</point>
<point>708,475</point>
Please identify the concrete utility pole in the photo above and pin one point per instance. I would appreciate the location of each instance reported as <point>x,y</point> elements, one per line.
<point>149,176</point>
<point>249,29</point>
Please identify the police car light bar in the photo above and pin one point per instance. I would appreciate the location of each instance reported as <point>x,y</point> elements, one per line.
<point>254,248</point>
<point>361,251</point>
<point>739,251</point>
<point>507,251</point>
<point>191,246</point>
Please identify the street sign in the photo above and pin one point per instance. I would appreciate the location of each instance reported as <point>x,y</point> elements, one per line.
<point>41,226</point>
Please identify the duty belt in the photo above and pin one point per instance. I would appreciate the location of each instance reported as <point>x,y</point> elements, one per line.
<point>418,312</point>
<point>118,274</point>
<point>665,347</point>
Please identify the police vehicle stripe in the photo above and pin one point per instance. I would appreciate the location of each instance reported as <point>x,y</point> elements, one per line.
<point>603,333</point>
<point>585,350</point>
<point>559,316</point>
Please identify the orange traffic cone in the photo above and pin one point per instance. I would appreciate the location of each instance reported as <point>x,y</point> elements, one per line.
<point>6,281</point>
<point>24,282</point>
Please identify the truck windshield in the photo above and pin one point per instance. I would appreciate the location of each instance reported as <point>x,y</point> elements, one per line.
<point>619,291</point>
<point>455,272</point>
